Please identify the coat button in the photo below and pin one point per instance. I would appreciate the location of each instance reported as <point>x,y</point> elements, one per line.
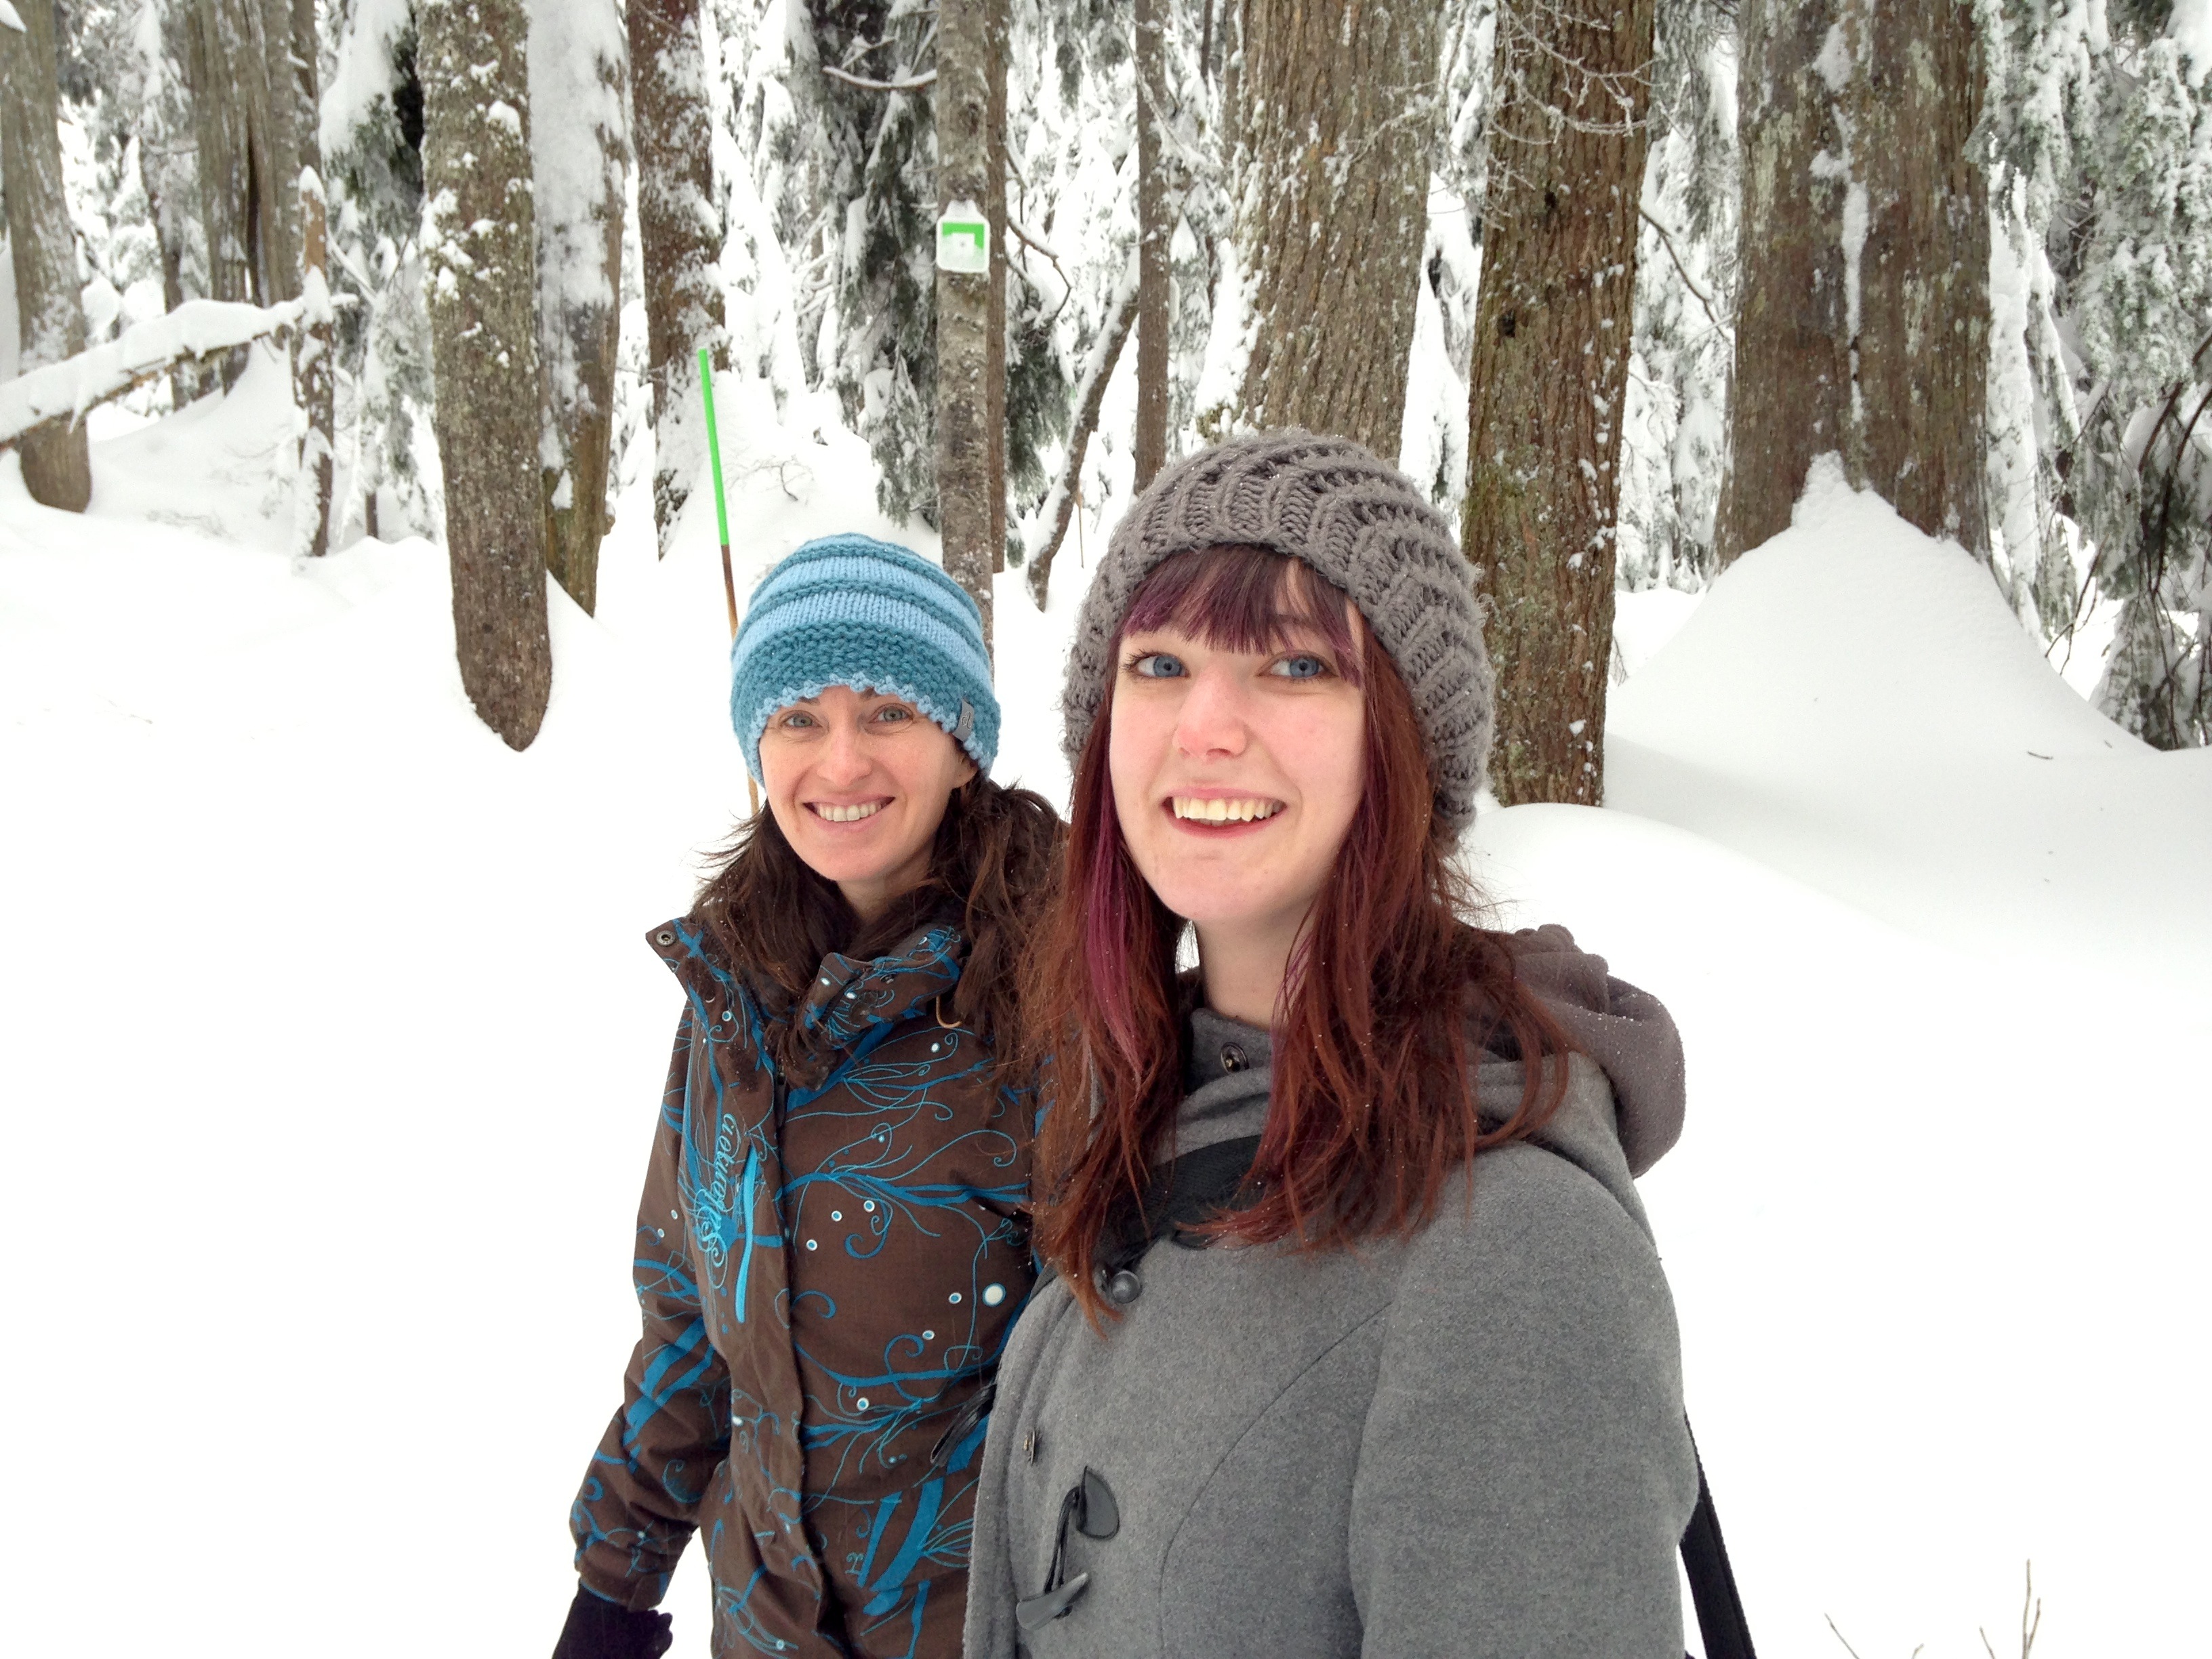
<point>1233,1058</point>
<point>1124,1288</point>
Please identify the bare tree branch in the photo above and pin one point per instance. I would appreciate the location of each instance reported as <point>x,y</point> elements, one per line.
<point>1688,281</point>
<point>1089,393</point>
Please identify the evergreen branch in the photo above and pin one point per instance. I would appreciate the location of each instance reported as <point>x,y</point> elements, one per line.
<point>904,83</point>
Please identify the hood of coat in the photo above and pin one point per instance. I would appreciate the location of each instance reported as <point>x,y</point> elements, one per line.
<point>1626,1033</point>
<point>851,1002</point>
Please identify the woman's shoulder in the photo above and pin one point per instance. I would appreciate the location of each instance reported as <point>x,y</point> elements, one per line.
<point>688,947</point>
<point>1524,1240</point>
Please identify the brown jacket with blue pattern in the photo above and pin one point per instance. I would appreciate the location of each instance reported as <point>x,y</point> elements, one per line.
<point>830,1250</point>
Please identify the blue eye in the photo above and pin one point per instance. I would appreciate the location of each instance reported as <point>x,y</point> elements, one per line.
<point>1156,665</point>
<point>797,720</point>
<point>892,712</point>
<point>1303,667</point>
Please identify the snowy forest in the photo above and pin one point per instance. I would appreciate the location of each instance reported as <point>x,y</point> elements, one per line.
<point>758,181</point>
<point>1822,391</point>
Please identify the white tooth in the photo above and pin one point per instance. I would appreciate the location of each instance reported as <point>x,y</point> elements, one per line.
<point>1218,810</point>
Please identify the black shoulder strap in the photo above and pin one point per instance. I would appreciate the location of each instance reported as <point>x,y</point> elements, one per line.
<point>1712,1581</point>
<point>1181,1194</point>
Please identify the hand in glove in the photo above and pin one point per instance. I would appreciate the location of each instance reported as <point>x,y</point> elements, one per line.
<point>600,1629</point>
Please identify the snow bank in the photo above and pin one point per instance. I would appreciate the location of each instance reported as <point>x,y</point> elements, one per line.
<point>1854,704</point>
<point>1940,942</point>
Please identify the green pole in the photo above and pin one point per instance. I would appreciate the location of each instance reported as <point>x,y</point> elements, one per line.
<point>722,520</point>
<point>722,506</point>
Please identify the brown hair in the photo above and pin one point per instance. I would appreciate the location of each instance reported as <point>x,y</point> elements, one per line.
<point>765,909</point>
<point>1371,1107</point>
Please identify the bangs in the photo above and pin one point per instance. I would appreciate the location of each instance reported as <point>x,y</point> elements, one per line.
<point>1244,598</point>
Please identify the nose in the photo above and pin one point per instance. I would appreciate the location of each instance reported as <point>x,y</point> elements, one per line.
<point>843,761</point>
<point>1211,724</point>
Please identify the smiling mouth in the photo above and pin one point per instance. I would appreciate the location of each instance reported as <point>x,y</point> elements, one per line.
<point>853,814</point>
<point>1202,811</point>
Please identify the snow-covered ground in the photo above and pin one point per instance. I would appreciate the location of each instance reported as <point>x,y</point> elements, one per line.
<point>329,1050</point>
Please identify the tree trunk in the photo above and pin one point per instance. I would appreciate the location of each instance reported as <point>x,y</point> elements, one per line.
<point>580,58</point>
<point>169,170</point>
<point>313,381</point>
<point>1153,231</point>
<point>244,91</point>
<point>1335,111</point>
<point>970,34</point>
<point>1863,322</point>
<point>219,73</point>
<point>995,337</point>
<point>480,242</point>
<point>49,315</point>
<point>277,156</point>
<point>679,231</point>
<point>1549,376</point>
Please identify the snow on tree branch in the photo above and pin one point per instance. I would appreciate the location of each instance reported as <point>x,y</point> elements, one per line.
<point>904,83</point>
<point>62,392</point>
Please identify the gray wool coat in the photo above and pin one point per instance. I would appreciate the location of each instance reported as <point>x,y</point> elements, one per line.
<point>1468,1443</point>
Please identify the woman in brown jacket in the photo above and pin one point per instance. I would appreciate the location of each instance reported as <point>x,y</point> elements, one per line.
<point>831,1245</point>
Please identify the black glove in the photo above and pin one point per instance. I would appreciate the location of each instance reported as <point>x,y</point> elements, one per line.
<point>600,1629</point>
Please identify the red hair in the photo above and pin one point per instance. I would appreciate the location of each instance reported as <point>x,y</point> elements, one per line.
<point>1372,1105</point>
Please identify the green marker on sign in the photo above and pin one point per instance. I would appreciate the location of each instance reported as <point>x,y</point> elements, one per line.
<point>963,240</point>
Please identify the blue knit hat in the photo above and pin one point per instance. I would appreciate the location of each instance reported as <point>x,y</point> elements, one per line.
<point>852,610</point>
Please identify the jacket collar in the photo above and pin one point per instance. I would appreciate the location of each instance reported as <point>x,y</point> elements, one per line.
<point>851,997</point>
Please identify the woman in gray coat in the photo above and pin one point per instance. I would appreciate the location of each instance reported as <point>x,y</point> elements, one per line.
<point>1410,1385</point>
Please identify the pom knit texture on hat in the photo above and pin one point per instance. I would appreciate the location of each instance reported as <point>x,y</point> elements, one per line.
<point>852,610</point>
<point>1353,519</point>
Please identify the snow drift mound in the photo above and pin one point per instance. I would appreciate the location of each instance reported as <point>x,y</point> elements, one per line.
<point>1854,704</point>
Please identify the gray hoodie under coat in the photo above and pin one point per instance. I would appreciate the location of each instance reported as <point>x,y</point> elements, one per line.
<point>1469,1442</point>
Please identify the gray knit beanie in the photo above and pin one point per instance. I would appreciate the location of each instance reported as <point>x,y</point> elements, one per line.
<point>1355,520</point>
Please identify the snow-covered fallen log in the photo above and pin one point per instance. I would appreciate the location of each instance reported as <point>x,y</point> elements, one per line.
<point>60,393</point>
